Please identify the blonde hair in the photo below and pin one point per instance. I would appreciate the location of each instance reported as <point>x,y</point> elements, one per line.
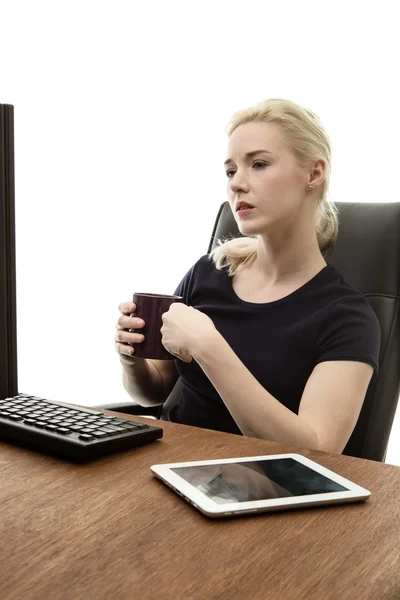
<point>304,133</point>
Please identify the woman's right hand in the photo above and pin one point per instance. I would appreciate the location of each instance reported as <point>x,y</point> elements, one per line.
<point>123,337</point>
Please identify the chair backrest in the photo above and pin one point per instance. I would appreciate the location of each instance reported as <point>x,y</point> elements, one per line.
<point>367,255</point>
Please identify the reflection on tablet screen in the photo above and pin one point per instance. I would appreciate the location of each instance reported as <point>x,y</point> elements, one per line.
<point>257,480</point>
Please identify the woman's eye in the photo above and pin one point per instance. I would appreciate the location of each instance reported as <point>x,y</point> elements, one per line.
<point>260,164</point>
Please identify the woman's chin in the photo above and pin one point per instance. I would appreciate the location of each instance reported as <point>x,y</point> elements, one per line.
<point>247,229</point>
<point>252,227</point>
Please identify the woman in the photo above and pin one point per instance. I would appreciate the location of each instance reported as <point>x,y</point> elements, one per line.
<point>270,341</point>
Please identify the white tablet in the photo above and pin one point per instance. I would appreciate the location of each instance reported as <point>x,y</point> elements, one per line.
<point>236,486</point>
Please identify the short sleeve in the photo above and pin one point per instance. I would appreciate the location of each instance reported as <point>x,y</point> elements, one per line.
<point>350,330</point>
<point>185,287</point>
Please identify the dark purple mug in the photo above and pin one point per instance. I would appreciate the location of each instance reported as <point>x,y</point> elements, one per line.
<point>150,308</point>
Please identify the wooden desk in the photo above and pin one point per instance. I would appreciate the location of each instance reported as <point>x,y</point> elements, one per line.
<point>110,530</point>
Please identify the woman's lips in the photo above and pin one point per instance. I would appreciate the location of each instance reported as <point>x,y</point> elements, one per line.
<point>243,212</point>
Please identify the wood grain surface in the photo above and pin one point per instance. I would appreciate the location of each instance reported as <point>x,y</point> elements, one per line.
<point>110,530</point>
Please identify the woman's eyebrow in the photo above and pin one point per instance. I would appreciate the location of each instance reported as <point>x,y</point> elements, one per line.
<point>248,155</point>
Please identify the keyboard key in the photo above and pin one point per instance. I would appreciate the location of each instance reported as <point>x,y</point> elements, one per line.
<point>108,429</point>
<point>86,436</point>
<point>63,430</point>
<point>117,428</point>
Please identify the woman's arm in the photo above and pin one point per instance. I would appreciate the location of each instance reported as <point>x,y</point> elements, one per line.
<point>149,382</point>
<point>329,407</point>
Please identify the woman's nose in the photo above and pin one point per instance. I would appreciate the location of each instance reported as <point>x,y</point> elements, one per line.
<point>238,183</point>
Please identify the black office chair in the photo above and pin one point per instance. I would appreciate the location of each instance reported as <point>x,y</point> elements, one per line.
<point>367,255</point>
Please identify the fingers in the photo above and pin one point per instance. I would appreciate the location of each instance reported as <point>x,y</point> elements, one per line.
<point>126,353</point>
<point>128,338</point>
<point>126,328</point>
<point>123,340</point>
<point>127,307</point>
<point>125,322</point>
<point>129,320</point>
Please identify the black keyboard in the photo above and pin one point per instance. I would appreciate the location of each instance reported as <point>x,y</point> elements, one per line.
<point>78,434</point>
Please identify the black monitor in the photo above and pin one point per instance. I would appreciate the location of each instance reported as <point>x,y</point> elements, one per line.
<point>8,302</point>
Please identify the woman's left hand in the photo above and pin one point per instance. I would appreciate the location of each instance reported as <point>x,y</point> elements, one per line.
<point>184,330</point>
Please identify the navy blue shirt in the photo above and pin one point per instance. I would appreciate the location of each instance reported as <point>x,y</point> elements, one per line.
<point>279,342</point>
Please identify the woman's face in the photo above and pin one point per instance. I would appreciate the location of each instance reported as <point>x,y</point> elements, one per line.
<point>271,181</point>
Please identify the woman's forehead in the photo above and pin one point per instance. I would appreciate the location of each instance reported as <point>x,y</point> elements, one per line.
<point>255,136</point>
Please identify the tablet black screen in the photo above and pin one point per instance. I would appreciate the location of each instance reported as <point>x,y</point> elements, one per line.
<point>257,480</point>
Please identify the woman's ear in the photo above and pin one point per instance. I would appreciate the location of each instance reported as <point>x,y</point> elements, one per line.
<point>317,174</point>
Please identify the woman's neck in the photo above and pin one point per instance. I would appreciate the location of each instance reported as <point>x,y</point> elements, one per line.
<point>288,262</point>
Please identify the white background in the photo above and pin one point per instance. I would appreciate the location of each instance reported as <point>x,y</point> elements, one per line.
<point>120,115</point>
